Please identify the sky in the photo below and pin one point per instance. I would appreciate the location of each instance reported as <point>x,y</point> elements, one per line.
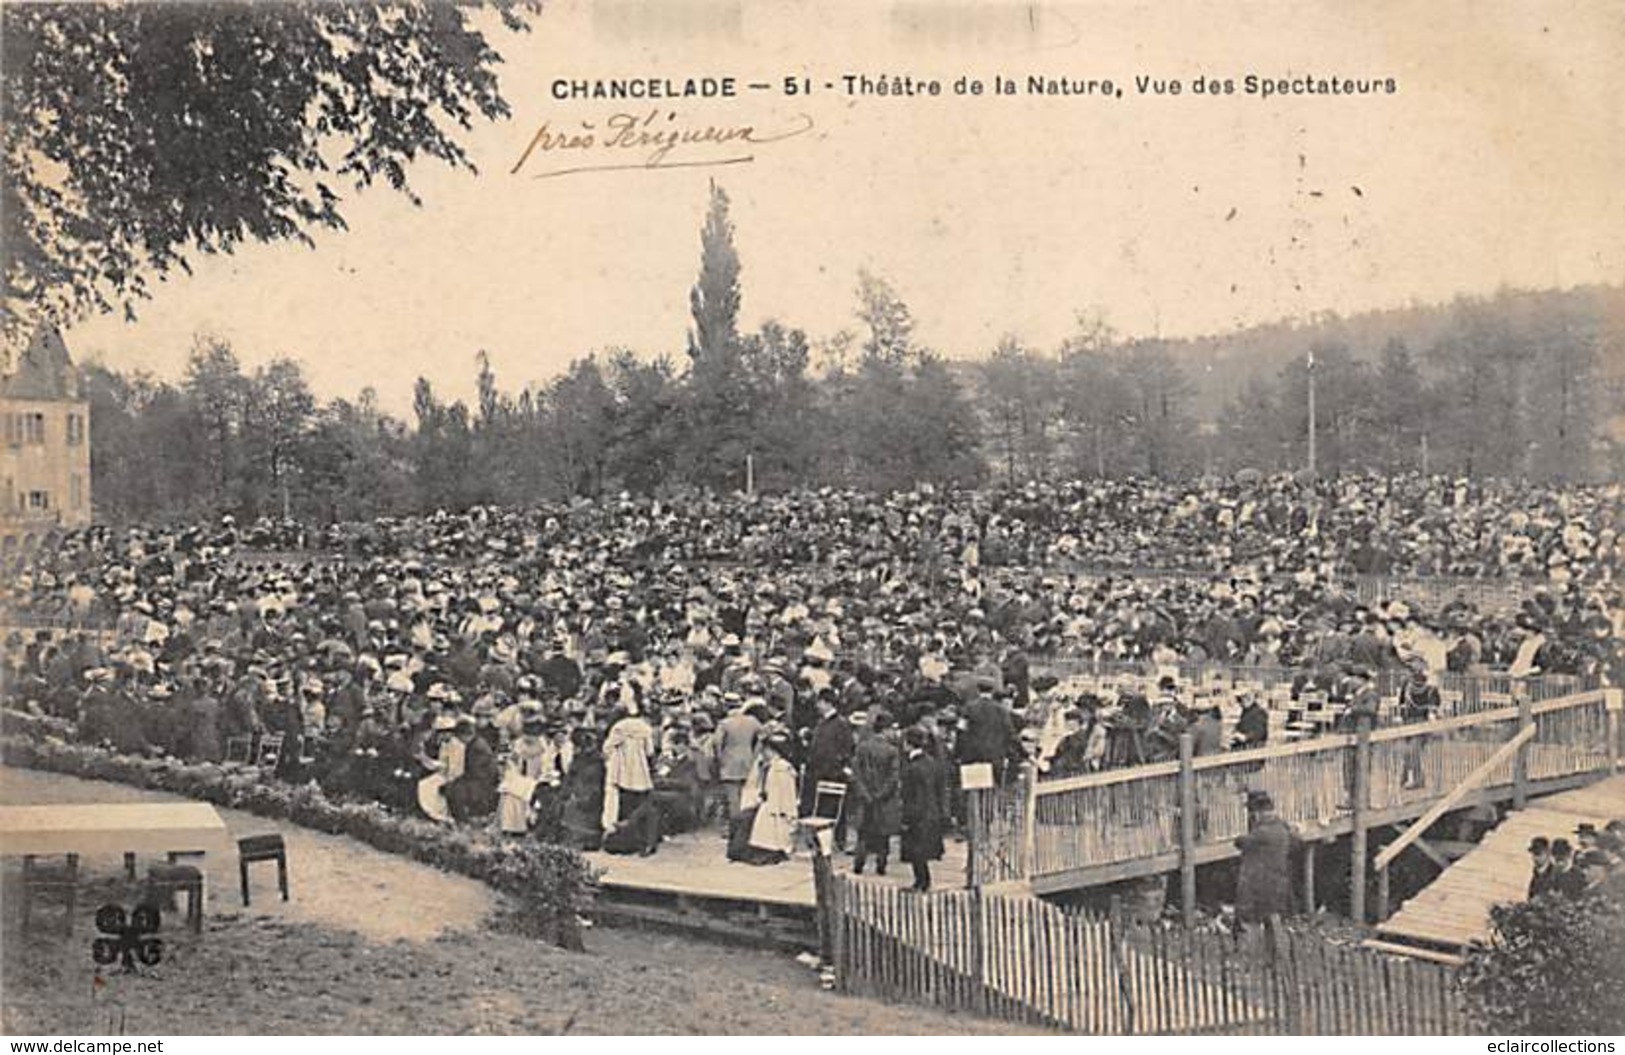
<point>1495,163</point>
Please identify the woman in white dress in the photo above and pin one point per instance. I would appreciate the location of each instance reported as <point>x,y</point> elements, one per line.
<point>529,761</point>
<point>772,834</point>
<point>447,766</point>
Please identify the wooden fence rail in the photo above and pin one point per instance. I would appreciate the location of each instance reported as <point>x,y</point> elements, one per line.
<point>1463,692</point>
<point>1026,961</point>
<point>1119,823</point>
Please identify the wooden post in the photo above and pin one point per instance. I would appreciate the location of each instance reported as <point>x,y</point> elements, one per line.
<point>1187,830</point>
<point>824,889</point>
<point>1520,764</point>
<point>973,823</point>
<point>1362,797</point>
<point>978,954</point>
<point>1029,822</point>
<point>1309,877</point>
<point>1119,967</point>
<point>1614,701</point>
<point>1382,893</point>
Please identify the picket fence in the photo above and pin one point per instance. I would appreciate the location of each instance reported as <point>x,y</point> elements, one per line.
<point>1023,960</point>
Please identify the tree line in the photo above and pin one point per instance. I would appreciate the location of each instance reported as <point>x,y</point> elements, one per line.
<point>1511,385</point>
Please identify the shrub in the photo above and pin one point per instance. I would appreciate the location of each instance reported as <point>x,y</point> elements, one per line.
<point>553,884</point>
<point>1553,966</point>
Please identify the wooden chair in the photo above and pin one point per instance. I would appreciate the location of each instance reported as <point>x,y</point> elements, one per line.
<point>270,752</point>
<point>166,880</point>
<point>41,879</point>
<point>263,848</point>
<point>829,799</point>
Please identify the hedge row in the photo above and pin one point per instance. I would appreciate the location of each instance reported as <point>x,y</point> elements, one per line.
<point>553,884</point>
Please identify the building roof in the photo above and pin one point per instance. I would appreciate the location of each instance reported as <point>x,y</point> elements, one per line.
<point>43,371</point>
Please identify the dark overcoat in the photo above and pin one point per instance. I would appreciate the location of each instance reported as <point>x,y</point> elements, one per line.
<point>923,820</point>
<point>876,789</point>
<point>1264,888</point>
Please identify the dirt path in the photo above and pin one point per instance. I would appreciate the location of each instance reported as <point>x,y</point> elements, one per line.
<point>376,944</point>
<point>335,881</point>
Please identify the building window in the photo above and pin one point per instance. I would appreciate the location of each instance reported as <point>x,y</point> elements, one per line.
<point>39,500</point>
<point>36,428</point>
<point>76,429</point>
<point>76,491</point>
<point>14,430</point>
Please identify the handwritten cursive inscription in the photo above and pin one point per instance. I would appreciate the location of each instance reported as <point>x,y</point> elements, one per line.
<point>658,139</point>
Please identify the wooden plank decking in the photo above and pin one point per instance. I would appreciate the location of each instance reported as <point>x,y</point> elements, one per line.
<point>1454,910</point>
<point>695,866</point>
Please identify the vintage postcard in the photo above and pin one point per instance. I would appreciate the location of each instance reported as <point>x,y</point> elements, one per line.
<point>706,517</point>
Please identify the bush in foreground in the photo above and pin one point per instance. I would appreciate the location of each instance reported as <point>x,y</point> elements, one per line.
<point>1554,966</point>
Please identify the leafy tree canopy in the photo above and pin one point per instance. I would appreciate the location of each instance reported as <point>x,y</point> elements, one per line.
<point>139,134</point>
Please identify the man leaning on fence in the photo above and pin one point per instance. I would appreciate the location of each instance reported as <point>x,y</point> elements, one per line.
<point>1418,702</point>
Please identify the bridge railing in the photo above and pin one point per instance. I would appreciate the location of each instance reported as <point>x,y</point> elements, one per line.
<point>1461,692</point>
<point>1104,823</point>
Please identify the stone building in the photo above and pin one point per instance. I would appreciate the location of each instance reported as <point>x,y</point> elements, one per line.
<point>45,456</point>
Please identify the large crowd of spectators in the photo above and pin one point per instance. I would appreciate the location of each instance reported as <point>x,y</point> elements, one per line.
<point>611,671</point>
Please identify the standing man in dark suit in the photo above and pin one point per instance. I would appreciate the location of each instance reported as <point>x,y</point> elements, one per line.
<point>1264,887</point>
<point>1540,877</point>
<point>875,793</point>
<point>1566,880</point>
<point>829,758</point>
<point>923,820</point>
<point>1418,702</point>
<point>986,732</point>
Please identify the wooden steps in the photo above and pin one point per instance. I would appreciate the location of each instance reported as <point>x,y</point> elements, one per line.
<point>1454,911</point>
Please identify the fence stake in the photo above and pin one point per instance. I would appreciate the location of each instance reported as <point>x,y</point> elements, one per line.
<point>973,818</point>
<point>822,874</point>
<point>1520,765</point>
<point>1114,934</point>
<point>1187,830</point>
<point>1614,701</point>
<point>1309,876</point>
<point>978,952</point>
<point>1362,796</point>
<point>1029,821</point>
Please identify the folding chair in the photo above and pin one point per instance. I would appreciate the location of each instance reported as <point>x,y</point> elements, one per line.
<point>825,793</point>
<point>41,879</point>
<point>270,752</point>
<point>240,749</point>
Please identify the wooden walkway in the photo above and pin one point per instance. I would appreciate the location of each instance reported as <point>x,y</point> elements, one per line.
<point>1145,820</point>
<point>1454,910</point>
<point>695,866</point>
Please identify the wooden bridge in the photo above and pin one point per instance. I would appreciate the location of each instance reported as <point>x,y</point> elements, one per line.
<point>1173,816</point>
<point>1453,911</point>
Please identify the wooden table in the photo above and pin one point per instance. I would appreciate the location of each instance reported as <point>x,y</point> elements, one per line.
<point>152,828</point>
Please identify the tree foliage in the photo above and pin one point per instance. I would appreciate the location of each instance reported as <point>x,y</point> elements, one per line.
<point>1519,384</point>
<point>139,134</point>
<point>1553,967</point>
